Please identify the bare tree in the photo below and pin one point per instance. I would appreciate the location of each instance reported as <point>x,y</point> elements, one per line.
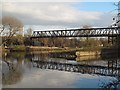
<point>86,26</point>
<point>29,32</point>
<point>11,26</point>
<point>1,25</point>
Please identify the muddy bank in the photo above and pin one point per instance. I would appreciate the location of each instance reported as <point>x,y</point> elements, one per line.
<point>87,53</point>
<point>86,58</point>
<point>103,51</point>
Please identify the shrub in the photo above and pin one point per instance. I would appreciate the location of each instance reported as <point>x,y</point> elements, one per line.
<point>19,47</point>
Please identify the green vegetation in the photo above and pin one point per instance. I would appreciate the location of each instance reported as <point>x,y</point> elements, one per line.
<point>18,48</point>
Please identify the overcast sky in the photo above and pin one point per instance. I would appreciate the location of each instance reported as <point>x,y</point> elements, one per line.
<point>68,13</point>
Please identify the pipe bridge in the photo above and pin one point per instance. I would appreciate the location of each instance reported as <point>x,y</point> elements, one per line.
<point>79,68</point>
<point>90,32</point>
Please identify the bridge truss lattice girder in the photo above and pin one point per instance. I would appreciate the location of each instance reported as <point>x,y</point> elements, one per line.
<point>92,32</point>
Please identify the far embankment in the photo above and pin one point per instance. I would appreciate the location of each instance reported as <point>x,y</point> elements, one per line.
<point>79,52</point>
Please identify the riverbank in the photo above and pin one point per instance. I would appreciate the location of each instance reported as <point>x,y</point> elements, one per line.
<point>79,52</point>
<point>39,49</point>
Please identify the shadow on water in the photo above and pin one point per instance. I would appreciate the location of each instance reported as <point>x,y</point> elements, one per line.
<point>112,55</point>
<point>14,63</point>
<point>12,68</point>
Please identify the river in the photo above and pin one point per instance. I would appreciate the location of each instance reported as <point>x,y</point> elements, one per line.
<point>36,70</point>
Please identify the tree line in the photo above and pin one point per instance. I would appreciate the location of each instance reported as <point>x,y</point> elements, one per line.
<point>73,42</point>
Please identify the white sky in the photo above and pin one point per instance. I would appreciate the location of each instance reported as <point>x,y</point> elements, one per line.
<point>60,0</point>
<point>41,12</point>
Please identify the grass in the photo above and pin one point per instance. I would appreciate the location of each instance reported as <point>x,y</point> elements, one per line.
<point>18,48</point>
<point>54,49</point>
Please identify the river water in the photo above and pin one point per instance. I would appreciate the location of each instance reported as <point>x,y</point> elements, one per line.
<point>36,70</point>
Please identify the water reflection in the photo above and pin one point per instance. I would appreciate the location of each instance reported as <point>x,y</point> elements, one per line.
<point>49,70</point>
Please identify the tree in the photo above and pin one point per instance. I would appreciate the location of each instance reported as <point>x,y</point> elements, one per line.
<point>29,32</point>
<point>88,31</point>
<point>117,41</point>
<point>86,26</point>
<point>1,30</point>
<point>11,26</point>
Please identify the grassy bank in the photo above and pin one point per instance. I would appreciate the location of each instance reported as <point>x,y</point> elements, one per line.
<point>51,49</point>
<point>79,51</point>
<point>18,48</point>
